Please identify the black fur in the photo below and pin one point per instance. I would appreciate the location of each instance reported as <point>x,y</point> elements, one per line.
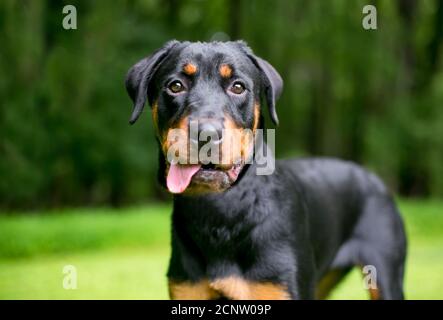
<point>309,217</point>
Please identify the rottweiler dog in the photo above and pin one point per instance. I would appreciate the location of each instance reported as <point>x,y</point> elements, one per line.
<point>237,234</point>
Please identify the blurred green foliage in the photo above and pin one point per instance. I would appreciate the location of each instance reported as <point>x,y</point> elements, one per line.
<point>72,230</point>
<point>370,96</point>
<point>123,253</point>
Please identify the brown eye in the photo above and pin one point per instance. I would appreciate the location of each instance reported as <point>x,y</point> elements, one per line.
<point>176,86</point>
<point>237,88</point>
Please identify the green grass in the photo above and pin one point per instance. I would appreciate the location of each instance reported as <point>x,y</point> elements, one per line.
<point>72,230</point>
<point>123,254</point>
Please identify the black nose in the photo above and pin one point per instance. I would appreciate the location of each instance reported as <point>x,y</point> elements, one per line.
<point>209,131</point>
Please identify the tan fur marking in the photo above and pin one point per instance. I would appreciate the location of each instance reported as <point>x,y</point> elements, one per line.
<point>182,141</point>
<point>190,69</point>
<point>237,288</point>
<point>269,291</point>
<point>374,294</point>
<point>155,116</point>
<point>191,291</point>
<point>234,288</point>
<point>225,71</point>
<point>231,147</point>
<point>256,116</point>
<point>327,283</point>
<point>238,142</point>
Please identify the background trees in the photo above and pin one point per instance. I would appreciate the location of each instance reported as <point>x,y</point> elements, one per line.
<point>370,96</point>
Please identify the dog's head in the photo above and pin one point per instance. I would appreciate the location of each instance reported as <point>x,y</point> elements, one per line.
<point>205,100</point>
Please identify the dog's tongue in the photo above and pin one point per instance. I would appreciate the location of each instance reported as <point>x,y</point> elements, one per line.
<point>179,176</point>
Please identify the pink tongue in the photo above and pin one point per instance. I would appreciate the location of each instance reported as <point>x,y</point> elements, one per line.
<point>179,176</point>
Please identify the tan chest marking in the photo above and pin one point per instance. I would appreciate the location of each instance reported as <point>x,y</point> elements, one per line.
<point>234,288</point>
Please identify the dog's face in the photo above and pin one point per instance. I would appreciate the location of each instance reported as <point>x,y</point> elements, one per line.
<point>205,100</point>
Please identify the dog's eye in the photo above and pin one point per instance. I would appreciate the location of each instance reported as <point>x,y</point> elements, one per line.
<point>176,86</point>
<point>237,88</point>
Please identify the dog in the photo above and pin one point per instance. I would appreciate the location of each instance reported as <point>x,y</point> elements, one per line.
<point>293,234</point>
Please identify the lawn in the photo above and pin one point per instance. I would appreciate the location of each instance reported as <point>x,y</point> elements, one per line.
<point>123,253</point>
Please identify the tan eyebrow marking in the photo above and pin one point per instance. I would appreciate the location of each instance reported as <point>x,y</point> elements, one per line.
<point>225,71</point>
<point>190,69</point>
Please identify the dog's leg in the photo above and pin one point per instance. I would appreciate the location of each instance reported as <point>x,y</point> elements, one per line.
<point>378,246</point>
<point>389,276</point>
<point>383,245</point>
<point>329,281</point>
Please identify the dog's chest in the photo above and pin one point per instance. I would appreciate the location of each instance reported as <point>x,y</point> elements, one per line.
<point>228,238</point>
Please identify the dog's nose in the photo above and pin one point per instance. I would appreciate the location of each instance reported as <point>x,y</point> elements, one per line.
<point>211,131</point>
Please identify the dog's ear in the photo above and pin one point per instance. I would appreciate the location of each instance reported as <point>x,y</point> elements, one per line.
<point>272,81</point>
<point>272,85</point>
<point>139,76</point>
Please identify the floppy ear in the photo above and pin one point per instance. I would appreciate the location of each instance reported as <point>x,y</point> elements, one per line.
<point>272,82</point>
<point>139,76</point>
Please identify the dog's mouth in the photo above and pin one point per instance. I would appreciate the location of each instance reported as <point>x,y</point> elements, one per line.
<point>204,177</point>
